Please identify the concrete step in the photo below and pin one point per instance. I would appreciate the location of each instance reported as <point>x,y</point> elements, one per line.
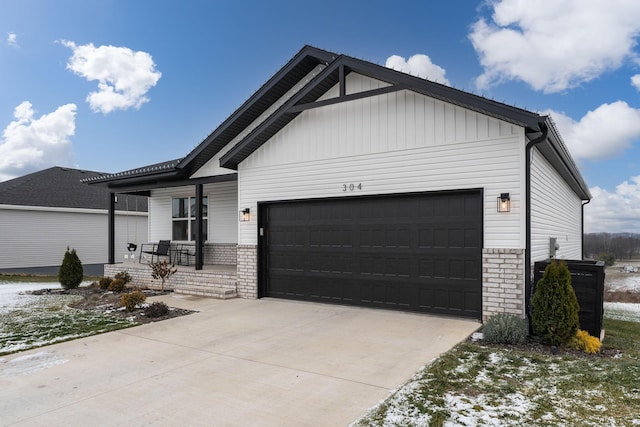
<point>208,290</point>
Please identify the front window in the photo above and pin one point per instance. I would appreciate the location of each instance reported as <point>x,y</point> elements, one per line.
<point>183,214</point>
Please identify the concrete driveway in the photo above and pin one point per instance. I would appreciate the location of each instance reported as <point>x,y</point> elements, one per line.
<point>234,363</point>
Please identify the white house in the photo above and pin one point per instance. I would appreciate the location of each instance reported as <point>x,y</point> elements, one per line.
<point>346,182</point>
<point>43,213</point>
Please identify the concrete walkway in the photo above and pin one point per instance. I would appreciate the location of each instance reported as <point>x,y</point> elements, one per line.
<point>234,363</point>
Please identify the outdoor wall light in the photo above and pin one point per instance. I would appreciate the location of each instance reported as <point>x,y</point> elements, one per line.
<point>504,203</point>
<point>245,215</point>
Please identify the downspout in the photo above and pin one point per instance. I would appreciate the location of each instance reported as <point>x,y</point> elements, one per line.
<point>527,254</point>
<point>582,235</point>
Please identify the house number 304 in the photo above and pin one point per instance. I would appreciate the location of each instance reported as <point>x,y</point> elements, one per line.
<point>351,187</point>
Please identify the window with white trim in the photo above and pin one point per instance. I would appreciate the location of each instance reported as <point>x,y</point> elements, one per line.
<point>183,216</point>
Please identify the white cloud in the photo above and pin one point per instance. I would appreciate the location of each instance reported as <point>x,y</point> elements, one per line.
<point>12,39</point>
<point>29,144</point>
<point>554,45</point>
<point>614,212</point>
<point>124,76</point>
<point>418,65</point>
<point>602,133</point>
<point>635,81</point>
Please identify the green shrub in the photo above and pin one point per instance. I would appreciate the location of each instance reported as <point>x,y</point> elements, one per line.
<point>70,273</point>
<point>105,282</point>
<point>131,299</point>
<point>503,328</point>
<point>124,275</point>
<point>608,258</point>
<point>554,305</point>
<point>156,309</point>
<point>116,285</point>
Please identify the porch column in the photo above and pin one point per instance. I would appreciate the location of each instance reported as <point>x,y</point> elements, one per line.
<point>111,226</point>
<point>199,229</point>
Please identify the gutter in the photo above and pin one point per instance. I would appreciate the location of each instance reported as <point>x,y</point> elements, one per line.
<point>527,255</point>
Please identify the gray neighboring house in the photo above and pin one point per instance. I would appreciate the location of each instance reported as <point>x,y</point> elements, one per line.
<point>44,212</point>
<point>347,182</point>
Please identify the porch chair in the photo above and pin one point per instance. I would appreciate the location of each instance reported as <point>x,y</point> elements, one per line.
<point>162,248</point>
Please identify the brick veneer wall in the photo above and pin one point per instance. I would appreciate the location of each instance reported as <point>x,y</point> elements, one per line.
<point>141,277</point>
<point>503,282</point>
<point>220,253</point>
<point>248,271</point>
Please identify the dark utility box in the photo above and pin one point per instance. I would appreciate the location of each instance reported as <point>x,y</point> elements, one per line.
<point>587,278</point>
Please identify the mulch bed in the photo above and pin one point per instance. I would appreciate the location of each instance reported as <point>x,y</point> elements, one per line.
<point>106,302</point>
<point>533,345</point>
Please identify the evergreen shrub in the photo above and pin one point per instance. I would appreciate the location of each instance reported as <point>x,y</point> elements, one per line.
<point>503,328</point>
<point>124,275</point>
<point>131,299</point>
<point>70,273</point>
<point>105,282</point>
<point>584,342</point>
<point>554,305</point>
<point>116,285</point>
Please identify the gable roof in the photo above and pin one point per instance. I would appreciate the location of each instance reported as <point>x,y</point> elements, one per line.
<point>273,89</point>
<point>337,67</point>
<point>61,187</point>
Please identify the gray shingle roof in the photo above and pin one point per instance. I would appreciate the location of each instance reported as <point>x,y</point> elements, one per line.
<point>62,187</point>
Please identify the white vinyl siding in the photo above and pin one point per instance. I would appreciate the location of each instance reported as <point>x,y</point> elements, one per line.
<point>395,143</point>
<point>38,237</point>
<point>222,213</point>
<point>555,212</point>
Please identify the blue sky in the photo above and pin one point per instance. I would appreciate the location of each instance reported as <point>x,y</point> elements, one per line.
<point>113,85</point>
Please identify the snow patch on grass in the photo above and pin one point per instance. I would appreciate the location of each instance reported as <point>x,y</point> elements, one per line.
<point>622,311</point>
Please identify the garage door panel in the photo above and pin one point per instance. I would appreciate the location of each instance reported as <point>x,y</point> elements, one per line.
<point>411,252</point>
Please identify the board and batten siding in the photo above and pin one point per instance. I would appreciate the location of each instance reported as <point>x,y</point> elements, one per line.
<point>222,213</point>
<point>39,237</point>
<point>394,143</point>
<point>556,211</point>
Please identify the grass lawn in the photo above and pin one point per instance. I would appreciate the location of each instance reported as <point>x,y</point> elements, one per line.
<point>49,319</point>
<point>475,384</point>
<point>36,278</point>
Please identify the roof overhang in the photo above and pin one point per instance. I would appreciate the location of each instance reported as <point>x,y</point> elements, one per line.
<point>555,151</point>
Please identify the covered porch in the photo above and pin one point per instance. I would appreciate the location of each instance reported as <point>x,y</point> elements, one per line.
<point>212,280</point>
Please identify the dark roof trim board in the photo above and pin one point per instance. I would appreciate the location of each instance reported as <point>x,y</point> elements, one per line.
<point>337,68</point>
<point>280,83</point>
<point>143,186</point>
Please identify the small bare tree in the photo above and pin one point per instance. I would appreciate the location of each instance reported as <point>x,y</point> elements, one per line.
<point>162,270</point>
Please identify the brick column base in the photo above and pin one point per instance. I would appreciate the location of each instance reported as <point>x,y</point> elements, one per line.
<point>502,282</point>
<point>248,271</point>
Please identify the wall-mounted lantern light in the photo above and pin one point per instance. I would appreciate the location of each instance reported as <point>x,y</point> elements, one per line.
<point>245,215</point>
<point>504,203</point>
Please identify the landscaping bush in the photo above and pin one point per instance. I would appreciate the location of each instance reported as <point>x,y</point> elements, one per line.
<point>131,299</point>
<point>584,342</point>
<point>503,328</point>
<point>105,282</point>
<point>116,285</point>
<point>157,309</point>
<point>554,305</point>
<point>124,275</point>
<point>70,273</point>
<point>162,270</point>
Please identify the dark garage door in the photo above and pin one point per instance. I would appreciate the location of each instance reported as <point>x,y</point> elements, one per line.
<point>418,252</point>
